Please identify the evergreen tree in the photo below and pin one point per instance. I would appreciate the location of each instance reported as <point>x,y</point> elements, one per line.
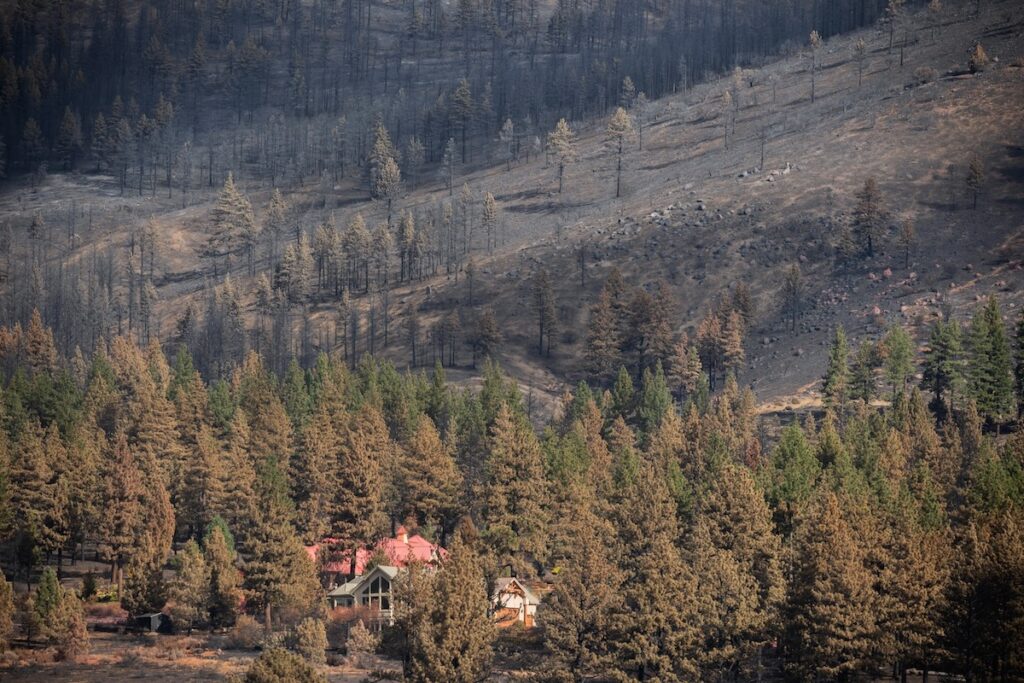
<point>899,358</point>
<point>991,368</point>
<point>562,146</point>
<point>1018,369</point>
<point>544,306</point>
<point>837,376</point>
<point>793,294</point>
<point>7,612</point>
<point>794,473</point>
<point>830,626</point>
<point>280,666</point>
<point>658,629</point>
<point>233,223</point>
<point>38,498</point>
<point>581,611</point>
<point>738,561</point>
<point>278,572</point>
<point>314,476</point>
<point>975,178</point>
<point>225,580</point>
<point>189,593</point>
<point>654,402</point>
<point>943,364</point>
<point>455,643</point>
<point>617,134</point>
<point>868,217</point>
<point>862,372</point>
<point>513,495</point>
<point>366,457</point>
<point>602,353</point>
<point>69,139</point>
<point>430,479</point>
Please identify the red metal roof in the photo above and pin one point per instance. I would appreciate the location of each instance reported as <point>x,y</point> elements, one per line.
<point>400,551</point>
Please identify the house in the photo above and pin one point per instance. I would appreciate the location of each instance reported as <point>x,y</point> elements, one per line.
<point>513,601</point>
<point>372,590</point>
<point>398,551</point>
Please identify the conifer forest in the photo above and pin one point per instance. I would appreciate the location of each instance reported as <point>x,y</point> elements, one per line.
<point>484,341</point>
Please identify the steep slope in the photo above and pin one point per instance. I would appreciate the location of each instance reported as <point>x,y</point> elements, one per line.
<point>693,212</point>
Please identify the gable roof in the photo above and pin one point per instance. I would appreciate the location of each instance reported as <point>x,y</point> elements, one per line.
<point>351,588</point>
<point>502,584</point>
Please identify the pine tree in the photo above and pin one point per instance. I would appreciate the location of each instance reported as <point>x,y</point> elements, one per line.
<point>388,183</point>
<point>430,480</point>
<point>366,457</point>
<point>991,367</point>
<point>489,220</point>
<point>447,169</point>
<point>311,641</point>
<point>581,611</point>
<point>868,217</point>
<point>907,238</point>
<point>233,223</point>
<point>69,139</point>
<point>122,507</point>
<point>513,493</point>
<point>189,593</point>
<point>225,580</point>
<point>487,337</point>
<point>794,473</point>
<point>602,353</point>
<point>618,133</point>
<point>544,306</point>
<point>38,496</point>
<point>1018,369</point>
<point>69,627</point>
<point>738,562</point>
<point>862,372</point>
<point>314,476</point>
<point>899,358</point>
<point>657,631</point>
<point>814,43</point>
<point>860,50</point>
<point>837,375</point>
<point>7,612</point>
<point>654,402</point>
<point>830,620</point>
<point>278,572</point>
<point>275,224</point>
<point>562,146</point>
<point>793,294</point>
<point>239,490</point>
<point>943,364</point>
<point>455,642</point>
<point>204,495</point>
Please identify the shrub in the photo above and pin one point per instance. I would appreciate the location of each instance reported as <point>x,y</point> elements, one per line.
<point>361,640</point>
<point>311,640</point>
<point>245,635</point>
<point>281,666</point>
<point>979,59</point>
<point>70,628</point>
<point>88,585</point>
<point>925,74</point>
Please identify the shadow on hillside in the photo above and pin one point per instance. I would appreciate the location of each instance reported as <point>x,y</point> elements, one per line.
<point>1014,171</point>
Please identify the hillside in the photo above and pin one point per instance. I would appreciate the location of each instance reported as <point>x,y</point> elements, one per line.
<point>701,216</point>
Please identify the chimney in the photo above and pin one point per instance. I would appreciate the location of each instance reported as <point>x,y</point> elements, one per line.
<point>402,534</point>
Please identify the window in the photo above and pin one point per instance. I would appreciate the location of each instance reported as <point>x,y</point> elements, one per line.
<point>378,594</point>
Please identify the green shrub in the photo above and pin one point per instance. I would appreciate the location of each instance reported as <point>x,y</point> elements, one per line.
<point>281,666</point>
